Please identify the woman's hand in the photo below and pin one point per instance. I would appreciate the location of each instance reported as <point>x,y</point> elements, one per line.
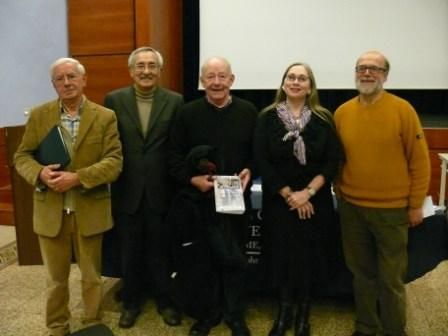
<point>306,211</point>
<point>297,199</point>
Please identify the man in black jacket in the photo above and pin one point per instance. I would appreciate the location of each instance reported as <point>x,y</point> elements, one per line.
<point>226,123</point>
<point>140,197</point>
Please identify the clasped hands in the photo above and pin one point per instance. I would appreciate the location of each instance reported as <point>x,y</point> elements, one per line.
<point>299,201</point>
<point>59,181</point>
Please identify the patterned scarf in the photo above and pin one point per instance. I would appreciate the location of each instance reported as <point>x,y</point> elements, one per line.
<point>294,128</point>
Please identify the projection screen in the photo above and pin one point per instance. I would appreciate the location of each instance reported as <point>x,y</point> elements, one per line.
<point>261,37</point>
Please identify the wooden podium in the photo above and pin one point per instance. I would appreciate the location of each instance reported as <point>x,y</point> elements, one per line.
<point>27,242</point>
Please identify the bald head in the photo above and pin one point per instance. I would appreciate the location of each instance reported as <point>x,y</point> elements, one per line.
<point>220,62</point>
<point>217,79</point>
<point>374,54</point>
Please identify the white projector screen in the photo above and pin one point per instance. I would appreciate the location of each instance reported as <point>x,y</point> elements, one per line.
<point>261,38</point>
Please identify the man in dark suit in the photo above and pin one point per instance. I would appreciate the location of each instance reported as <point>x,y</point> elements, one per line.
<point>72,204</point>
<point>140,197</point>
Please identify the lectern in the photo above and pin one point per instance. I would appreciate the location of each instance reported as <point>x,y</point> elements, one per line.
<point>27,242</point>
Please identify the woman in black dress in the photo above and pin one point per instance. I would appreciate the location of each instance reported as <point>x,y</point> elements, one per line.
<point>298,155</point>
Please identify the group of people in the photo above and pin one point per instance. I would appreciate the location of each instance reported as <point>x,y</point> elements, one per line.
<point>150,148</point>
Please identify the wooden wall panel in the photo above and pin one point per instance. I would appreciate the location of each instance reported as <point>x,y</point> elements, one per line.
<point>434,184</point>
<point>4,173</point>
<point>105,73</point>
<point>99,27</point>
<point>101,32</point>
<point>142,23</point>
<point>437,139</point>
<point>6,201</point>
<point>165,34</point>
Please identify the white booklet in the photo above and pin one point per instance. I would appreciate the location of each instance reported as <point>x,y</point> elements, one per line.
<point>428,207</point>
<point>229,198</point>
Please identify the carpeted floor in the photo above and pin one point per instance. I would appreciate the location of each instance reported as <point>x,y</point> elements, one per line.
<point>8,254</point>
<point>22,296</point>
<point>8,246</point>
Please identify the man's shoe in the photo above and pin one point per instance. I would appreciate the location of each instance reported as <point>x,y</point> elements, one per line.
<point>170,316</point>
<point>203,327</point>
<point>118,295</point>
<point>128,318</point>
<point>238,327</point>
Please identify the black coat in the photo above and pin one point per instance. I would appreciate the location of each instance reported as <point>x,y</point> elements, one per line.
<point>217,246</point>
<point>229,130</point>
<point>144,159</point>
<point>193,281</point>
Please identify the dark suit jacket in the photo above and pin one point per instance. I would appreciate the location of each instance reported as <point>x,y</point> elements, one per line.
<point>96,158</point>
<point>144,166</point>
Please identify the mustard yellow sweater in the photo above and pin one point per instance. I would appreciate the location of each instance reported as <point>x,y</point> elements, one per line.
<point>387,161</point>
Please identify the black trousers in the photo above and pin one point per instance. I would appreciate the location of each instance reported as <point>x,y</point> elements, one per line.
<point>145,257</point>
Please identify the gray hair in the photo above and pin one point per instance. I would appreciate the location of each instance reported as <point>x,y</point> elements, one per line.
<point>131,59</point>
<point>79,67</point>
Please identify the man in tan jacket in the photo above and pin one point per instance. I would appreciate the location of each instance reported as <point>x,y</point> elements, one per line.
<point>72,204</point>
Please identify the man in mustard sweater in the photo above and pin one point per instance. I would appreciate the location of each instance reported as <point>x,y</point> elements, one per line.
<point>381,189</point>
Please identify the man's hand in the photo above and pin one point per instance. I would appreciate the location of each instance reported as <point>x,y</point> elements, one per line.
<point>48,173</point>
<point>59,181</point>
<point>245,175</point>
<point>415,216</point>
<point>203,183</point>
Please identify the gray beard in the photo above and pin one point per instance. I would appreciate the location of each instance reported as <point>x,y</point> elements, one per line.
<point>368,89</point>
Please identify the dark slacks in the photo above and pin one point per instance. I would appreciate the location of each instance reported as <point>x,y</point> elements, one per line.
<point>145,256</point>
<point>226,237</point>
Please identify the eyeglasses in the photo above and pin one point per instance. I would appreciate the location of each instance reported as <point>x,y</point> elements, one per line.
<point>142,67</point>
<point>292,78</point>
<point>372,69</point>
<point>62,78</point>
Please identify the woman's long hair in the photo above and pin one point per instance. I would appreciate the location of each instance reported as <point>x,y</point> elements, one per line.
<point>312,100</point>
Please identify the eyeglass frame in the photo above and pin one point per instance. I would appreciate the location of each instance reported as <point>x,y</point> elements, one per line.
<point>141,67</point>
<point>292,78</point>
<point>373,69</point>
<point>71,77</point>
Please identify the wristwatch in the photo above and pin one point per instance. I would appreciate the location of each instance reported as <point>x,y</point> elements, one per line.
<point>311,191</point>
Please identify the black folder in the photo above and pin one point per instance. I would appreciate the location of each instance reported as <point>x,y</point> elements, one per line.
<point>53,149</point>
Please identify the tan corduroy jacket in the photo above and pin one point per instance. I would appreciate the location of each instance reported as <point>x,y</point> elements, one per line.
<point>97,159</point>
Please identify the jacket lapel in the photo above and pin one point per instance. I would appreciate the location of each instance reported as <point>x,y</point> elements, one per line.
<point>130,106</point>
<point>158,104</point>
<point>54,115</point>
<point>87,118</point>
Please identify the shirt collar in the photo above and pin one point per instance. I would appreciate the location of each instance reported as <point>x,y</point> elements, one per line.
<point>81,105</point>
<point>227,103</point>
